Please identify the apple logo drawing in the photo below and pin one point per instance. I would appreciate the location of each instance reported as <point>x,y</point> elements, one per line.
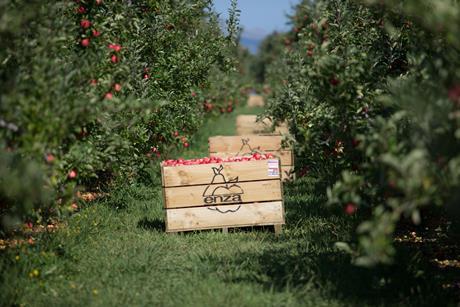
<point>246,149</point>
<point>222,191</point>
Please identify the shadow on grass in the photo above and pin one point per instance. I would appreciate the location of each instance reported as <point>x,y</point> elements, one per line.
<point>411,282</point>
<point>307,197</point>
<point>159,225</point>
<point>152,224</point>
<point>306,259</point>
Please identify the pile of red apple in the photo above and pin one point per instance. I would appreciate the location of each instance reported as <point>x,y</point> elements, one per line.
<point>210,160</point>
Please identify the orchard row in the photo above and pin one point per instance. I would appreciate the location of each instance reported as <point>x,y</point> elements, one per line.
<point>95,92</point>
<point>371,93</point>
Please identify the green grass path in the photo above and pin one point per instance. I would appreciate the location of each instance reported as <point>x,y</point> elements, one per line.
<point>114,252</point>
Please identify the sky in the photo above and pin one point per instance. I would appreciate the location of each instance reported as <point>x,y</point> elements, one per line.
<point>258,18</point>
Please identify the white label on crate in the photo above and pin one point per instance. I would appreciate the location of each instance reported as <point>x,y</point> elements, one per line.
<point>273,168</point>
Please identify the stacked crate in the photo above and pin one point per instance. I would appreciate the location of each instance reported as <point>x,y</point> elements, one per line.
<point>248,125</point>
<point>233,146</point>
<point>256,101</point>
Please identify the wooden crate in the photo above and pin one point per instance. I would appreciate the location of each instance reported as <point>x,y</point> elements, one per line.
<point>282,129</point>
<point>224,195</point>
<point>248,125</point>
<point>232,146</point>
<point>255,101</point>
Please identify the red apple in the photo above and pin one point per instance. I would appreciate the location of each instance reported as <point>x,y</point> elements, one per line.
<point>85,23</point>
<point>350,208</point>
<point>454,94</point>
<point>50,158</point>
<point>334,81</point>
<point>85,42</point>
<point>96,33</point>
<point>72,174</point>
<point>115,47</point>
<point>209,160</point>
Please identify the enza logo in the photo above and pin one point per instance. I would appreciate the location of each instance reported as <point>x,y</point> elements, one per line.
<point>221,190</point>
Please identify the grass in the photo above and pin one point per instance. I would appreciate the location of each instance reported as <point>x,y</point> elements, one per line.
<point>115,252</point>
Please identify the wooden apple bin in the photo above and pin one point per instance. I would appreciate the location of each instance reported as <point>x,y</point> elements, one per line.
<point>232,146</point>
<point>223,195</point>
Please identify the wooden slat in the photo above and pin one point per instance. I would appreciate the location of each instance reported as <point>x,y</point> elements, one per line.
<point>230,146</point>
<point>251,119</point>
<point>255,101</point>
<point>246,143</point>
<point>282,129</point>
<point>204,174</point>
<point>278,229</point>
<point>256,214</point>
<point>193,196</point>
<point>287,173</point>
<point>247,124</point>
<point>247,131</point>
<point>285,156</point>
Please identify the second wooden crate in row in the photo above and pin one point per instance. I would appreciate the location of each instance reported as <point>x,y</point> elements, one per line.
<point>232,146</point>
